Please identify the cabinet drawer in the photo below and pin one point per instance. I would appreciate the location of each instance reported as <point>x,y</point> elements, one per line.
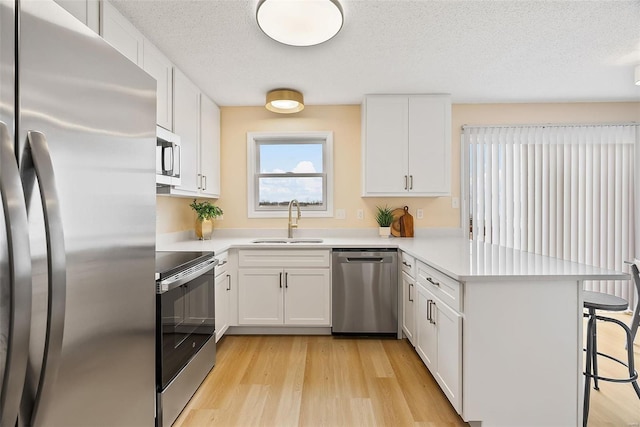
<point>408,264</point>
<point>283,258</point>
<point>442,286</point>
<point>223,263</point>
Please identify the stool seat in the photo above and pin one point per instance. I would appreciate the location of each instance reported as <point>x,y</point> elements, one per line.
<point>602,301</point>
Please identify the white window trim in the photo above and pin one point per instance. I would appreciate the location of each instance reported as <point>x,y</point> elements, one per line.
<point>253,137</point>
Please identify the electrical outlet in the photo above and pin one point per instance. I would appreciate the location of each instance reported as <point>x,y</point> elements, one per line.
<point>455,203</point>
<point>341,214</point>
<point>420,213</point>
<point>360,214</point>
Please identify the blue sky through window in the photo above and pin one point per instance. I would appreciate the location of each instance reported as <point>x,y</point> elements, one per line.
<point>299,158</point>
<point>290,158</point>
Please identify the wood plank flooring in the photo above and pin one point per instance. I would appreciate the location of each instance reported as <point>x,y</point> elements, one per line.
<point>318,381</point>
<point>326,381</point>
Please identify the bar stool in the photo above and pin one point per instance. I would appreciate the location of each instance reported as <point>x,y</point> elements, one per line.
<point>600,301</point>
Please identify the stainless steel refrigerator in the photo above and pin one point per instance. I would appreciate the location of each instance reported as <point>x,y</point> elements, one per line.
<point>77,225</point>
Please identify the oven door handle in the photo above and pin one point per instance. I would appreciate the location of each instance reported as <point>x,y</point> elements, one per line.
<point>172,283</point>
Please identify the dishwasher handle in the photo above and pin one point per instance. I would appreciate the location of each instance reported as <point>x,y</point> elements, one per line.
<point>365,259</point>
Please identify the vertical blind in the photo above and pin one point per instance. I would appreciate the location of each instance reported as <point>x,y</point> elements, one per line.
<point>561,191</point>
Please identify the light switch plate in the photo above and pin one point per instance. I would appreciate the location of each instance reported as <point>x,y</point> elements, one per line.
<point>420,213</point>
<point>341,214</point>
<point>455,203</point>
<point>360,214</point>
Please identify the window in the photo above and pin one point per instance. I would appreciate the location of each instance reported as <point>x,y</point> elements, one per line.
<point>283,166</point>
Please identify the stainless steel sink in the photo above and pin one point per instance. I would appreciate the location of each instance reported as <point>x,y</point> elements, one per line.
<point>285,241</point>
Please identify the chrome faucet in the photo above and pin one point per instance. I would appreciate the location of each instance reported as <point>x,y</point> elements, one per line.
<point>293,225</point>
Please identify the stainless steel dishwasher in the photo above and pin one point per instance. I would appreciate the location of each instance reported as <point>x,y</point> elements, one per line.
<point>365,291</point>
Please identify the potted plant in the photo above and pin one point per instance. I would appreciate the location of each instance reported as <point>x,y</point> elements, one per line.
<point>384,217</point>
<point>206,213</point>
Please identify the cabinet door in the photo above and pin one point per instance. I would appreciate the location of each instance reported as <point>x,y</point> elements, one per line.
<point>160,68</point>
<point>122,35</point>
<point>307,297</point>
<point>186,118</point>
<point>408,306</point>
<point>260,296</point>
<point>449,326</point>
<point>426,332</point>
<point>86,11</point>
<point>430,144</point>
<point>209,147</point>
<point>223,288</point>
<point>385,145</point>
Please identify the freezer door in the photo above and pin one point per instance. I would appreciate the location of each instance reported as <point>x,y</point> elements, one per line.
<point>91,114</point>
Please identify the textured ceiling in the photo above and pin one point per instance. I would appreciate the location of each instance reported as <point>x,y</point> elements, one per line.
<point>476,50</point>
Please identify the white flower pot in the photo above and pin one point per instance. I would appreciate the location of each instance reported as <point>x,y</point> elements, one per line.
<point>384,231</point>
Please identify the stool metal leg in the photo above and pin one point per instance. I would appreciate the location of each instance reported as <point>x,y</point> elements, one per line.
<point>587,379</point>
<point>594,351</point>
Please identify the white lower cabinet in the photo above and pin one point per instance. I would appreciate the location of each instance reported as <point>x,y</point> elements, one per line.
<point>222,295</point>
<point>439,343</point>
<point>276,288</point>
<point>223,301</point>
<point>278,296</point>
<point>260,296</point>
<point>408,306</point>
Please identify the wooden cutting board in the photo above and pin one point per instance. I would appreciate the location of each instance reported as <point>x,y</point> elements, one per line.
<point>395,225</point>
<point>406,223</point>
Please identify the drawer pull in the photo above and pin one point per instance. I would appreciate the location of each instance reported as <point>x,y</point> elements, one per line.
<point>406,264</point>
<point>433,282</point>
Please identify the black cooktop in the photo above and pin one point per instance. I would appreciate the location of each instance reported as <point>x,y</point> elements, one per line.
<point>169,263</point>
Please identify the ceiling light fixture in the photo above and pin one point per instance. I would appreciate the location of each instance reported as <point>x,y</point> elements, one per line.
<point>300,22</point>
<point>637,75</point>
<point>285,101</point>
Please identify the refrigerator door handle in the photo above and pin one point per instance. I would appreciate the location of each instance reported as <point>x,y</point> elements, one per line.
<point>19,254</point>
<point>36,164</point>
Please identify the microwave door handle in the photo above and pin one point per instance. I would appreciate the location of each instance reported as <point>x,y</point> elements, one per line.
<point>167,160</point>
<point>36,164</point>
<point>176,160</point>
<point>19,257</point>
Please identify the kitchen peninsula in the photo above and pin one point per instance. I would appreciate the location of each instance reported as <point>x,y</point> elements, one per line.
<point>518,349</point>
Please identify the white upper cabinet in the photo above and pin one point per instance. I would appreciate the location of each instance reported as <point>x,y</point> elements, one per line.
<point>209,148</point>
<point>406,145</point>
<point>122,35</point>
<point>87,11</point>
<point>196,119</point>
<point>160,68</point>
<point>186,123</point>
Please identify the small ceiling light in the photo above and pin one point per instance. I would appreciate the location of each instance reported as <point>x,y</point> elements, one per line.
<point>284,101</point>
<point>300,22</point>
<point>637,75</point>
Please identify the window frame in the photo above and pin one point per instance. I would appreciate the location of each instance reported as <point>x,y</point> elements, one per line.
<point>255,139</point>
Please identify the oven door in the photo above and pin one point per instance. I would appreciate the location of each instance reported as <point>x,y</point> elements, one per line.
<point>186,320</point>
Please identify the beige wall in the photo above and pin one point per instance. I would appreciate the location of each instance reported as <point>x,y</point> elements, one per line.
<point>345,122</point>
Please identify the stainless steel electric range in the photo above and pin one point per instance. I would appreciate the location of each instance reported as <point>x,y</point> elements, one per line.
<point>185,328</point>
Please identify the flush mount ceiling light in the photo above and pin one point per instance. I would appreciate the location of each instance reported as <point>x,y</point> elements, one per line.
<point>284,101</point>
<point>637,75</point>
<point>300,22</point>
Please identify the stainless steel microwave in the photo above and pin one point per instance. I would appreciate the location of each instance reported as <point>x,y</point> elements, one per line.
<point>167,158</point>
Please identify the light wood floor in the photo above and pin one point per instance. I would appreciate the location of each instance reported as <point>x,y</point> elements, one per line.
<point>326,381</point>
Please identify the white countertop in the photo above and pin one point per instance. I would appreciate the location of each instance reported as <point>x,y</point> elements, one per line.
<point>460,258</point>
